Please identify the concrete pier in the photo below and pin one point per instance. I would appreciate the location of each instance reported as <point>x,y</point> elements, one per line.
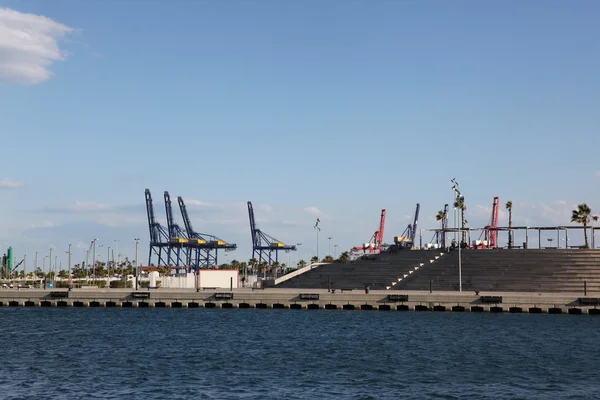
<point>309,299</point>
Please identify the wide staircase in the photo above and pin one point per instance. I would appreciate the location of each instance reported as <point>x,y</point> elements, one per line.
<point>514,270</point>
<point>380,272</point>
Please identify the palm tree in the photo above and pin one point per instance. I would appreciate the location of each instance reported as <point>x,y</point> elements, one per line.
<point>274,267</point>
<point>441,216</point>
<point>582,216</point>
<point>509,209</point>
<point>344,257</point>
<point>314,259</point>
<point>253,263</point>
<point>301,264</point>
<point>328,258</point>
<point>262,267</point>
<point>460,204</point>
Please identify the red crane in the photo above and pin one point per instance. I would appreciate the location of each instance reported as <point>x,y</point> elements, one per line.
<point>491,234</point>
<point>376,241</point>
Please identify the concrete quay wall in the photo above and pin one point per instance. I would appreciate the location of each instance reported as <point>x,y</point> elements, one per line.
<point>552,303</point>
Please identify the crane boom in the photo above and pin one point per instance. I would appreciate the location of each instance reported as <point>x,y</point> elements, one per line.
<point>255,237</point>
<point>379,242</point>
<point>186,218</point>
<point>169,212</point>
<point>415,223</point>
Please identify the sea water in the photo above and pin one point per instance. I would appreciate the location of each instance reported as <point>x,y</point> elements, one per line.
<point>275,354</point>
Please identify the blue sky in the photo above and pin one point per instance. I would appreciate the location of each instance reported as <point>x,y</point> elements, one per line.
<point>334,109</point>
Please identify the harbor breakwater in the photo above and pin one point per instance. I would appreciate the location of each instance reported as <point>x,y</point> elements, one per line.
<point>315,299</point>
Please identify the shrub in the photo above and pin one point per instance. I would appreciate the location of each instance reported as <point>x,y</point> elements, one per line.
<point>121,284</point>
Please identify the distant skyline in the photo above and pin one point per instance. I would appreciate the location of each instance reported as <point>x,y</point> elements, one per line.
<point>327,109</point>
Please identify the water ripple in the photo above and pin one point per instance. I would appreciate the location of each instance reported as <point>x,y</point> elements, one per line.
<point>272,354</point>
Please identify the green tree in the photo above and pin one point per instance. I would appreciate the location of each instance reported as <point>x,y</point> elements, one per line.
<point>164,271</point>
<point>262,267</point>
<point>582,215</point>
<point>344,257</point>
<point>314,259</point>
<point>253,262</point>
<point>441,216</point>
<point>301,264</point>
<point>328,259</point>
<point>509,206</point>
<point>460,204</point>
<point>243,267</point>
<point>63,274</point>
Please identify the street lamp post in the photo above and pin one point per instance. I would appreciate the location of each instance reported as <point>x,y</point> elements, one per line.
<point>335,251</point>
<point>69,253</point>
<point>137,264</point>
<point>329,238</point>
<point>318,230</point>
<point>455,187</point>
<point>298,254</point>
<point>94,259</point>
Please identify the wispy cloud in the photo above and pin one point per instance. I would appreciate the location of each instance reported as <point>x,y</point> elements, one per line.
<point>28,46</point>
<point>44,224</point>
<point>78,206</point>
<point>313,211</point>
<point>9,183</point>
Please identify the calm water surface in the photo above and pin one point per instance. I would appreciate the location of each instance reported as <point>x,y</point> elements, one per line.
<point>276,354</point>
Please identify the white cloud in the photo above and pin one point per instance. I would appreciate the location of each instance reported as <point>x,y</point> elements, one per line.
<point>265,208</point>
<point>313,211</point>
<point>9,183</point>
<point>44,224</point>
<point>196,203</point>
<point>28,46</point>
<point>89,206</point>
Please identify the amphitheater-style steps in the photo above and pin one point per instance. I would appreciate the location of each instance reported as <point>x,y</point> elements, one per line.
<point>547,270</point>
<point>377,273</point>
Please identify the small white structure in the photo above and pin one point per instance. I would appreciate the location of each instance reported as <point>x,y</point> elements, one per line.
<point>218,278</point>
<point>180,281</point>
<point>153,277</point>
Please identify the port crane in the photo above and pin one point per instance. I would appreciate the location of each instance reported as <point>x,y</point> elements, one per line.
<point>264,245</point>
<point>409,236</point>
<point>202,249</point>
<point>491,230</point>
<point>374,244</point>
<point>159,236</point>
<point>177,237</point>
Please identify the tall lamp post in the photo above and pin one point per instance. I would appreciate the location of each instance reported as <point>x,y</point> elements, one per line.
<point>298,256</point>
<point>69,254</point>
<point>318,230</point>
<point>94,259</point>
<point>137,264</point>
<point>329,238</point>
<point>50,261</point>
<point>458,196</point>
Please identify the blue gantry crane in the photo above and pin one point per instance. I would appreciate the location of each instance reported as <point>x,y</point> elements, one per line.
<point>159,236</point>
<point>264,245</point>
<point>202,249</point>
<point>177,238</point>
